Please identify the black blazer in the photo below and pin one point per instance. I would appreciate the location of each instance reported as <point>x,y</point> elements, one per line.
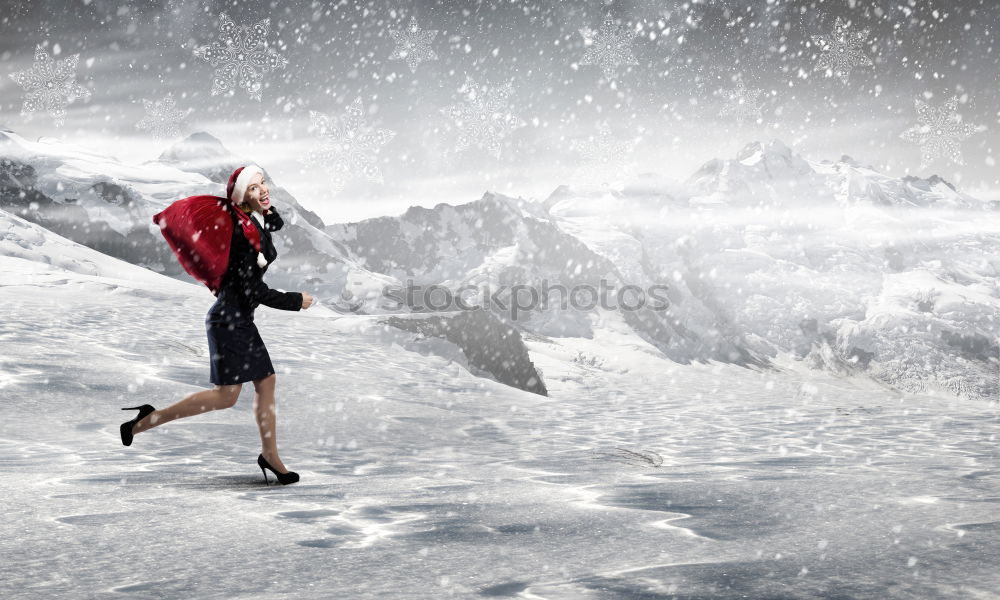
<point>243,284</point>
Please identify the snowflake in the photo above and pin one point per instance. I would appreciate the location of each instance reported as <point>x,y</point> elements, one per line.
<point>938,132</point>
<point>349,148</point>
<point>413,44</point>
<point>610,47</point>
<point>842,50</point>
<point>743,103</point>
<point>604,157</point>
<point>51,85</point>
<point>242,59</point>
<point>483,119</point>
<point>162,118</point>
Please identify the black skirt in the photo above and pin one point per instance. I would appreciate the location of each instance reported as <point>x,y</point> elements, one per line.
<point>237,351</point>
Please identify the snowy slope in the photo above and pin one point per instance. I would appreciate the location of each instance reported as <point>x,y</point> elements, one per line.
<point>33,254</point>
<point>633,478</point>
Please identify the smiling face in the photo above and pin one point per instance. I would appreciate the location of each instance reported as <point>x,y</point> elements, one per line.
<point>257,195</point>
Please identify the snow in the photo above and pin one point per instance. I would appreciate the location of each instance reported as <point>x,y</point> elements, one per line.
<point>634,476</point>
<point>85,162</point>
<point>67,170</point>
<point>650,468</point>
<point>31,253</point>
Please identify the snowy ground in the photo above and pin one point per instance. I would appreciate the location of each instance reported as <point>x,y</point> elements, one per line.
<point>634,479</point>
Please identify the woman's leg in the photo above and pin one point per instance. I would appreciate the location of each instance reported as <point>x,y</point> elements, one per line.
<point>221,396</point>
<point>267,420</point>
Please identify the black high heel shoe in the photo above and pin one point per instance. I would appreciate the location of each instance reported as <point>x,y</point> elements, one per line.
<point>126,427</point>
<point>284,478</point>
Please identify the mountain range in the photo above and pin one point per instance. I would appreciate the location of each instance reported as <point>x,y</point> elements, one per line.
<point>767,256</point>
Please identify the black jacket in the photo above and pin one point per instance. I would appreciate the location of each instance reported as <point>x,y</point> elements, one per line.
<point>243,284</point>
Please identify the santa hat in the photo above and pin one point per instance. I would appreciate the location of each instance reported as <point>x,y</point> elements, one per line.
<point>239,181</point>
<point>235,189</point>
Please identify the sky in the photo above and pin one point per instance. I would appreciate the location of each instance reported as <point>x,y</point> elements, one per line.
<point>664,113</point>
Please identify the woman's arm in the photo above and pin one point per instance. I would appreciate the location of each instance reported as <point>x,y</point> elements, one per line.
<point>275,299</point>
<point>252,282</point>
<point>272,220</point>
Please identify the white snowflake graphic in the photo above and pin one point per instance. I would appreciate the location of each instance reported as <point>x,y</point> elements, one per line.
<point>743,103</point>
<point>413,44</point>
<point>242,58</point>
<point>162,118</point>
<point>841,50</point>
<point>939,131</point>
<point>51,85</point>
<point>609,47</point>
<point>604,157</point>
<point>483,118</point>
<point>348,148</point>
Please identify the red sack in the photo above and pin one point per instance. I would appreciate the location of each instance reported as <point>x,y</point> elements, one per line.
<point>199,229</point>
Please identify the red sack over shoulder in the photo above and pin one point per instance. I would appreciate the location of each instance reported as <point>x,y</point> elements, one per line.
<point>199,229</point>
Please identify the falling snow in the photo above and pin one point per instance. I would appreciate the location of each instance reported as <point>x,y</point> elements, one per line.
<point>14,9</point>
<point>743,103</point>
<point>604,158</point>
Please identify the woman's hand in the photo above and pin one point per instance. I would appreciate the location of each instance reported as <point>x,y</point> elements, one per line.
<point>307,300</point>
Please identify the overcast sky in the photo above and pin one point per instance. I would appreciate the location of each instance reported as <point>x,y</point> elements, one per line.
<point>667,105</point>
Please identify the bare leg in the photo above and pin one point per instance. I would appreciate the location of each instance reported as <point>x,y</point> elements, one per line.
<point>221,396</point>
<point>267,420</point>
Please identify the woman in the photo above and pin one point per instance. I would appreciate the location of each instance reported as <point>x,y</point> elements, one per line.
<point>237,351</point>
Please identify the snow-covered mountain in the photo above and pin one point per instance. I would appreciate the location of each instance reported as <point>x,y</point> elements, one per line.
<point>772,174</point>
<point>501,242</point>
<point>763,255</point>
<point>32,253</point>
<point>33,256</point>
<point>107,204</point>
<point>848,268</point>
<point>203,153</point>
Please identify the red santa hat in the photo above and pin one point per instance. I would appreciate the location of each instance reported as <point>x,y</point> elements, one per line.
<point>239,181</point>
